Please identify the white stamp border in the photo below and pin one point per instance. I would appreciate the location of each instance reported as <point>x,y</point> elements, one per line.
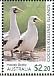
<point>0,37</point>
<point>51,48</point>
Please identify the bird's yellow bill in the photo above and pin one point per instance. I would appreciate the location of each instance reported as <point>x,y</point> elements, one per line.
<point>19,10</point>
<point>39,20</point>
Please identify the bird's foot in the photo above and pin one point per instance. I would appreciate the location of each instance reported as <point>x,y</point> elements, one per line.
<point>25,58</point>
<point>13,57</point>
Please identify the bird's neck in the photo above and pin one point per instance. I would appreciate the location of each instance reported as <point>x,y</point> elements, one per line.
<point>31,26</point>
<point>14,31</point>
<point>13,23</point>
<point>32,29</point>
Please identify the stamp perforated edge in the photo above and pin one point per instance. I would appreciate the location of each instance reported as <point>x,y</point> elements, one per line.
<point>53,35</point>
<point>2,35</point>
<point>52,45</point>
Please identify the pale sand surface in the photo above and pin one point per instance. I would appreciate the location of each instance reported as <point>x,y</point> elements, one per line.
<point>37,56</point>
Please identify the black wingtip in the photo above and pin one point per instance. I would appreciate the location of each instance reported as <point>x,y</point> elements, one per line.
<point>15,47</point>
<point>20,41</point>
<point>16,51</point>
<point>4,42</point>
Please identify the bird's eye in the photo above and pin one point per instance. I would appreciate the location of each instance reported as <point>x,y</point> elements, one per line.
<point>34,19</point>
<point>14,10</point>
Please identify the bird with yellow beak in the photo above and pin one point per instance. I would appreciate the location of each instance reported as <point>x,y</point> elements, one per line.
<point>12,37</point>
<point>29,39</point>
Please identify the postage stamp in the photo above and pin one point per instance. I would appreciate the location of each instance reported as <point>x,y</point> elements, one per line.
<point>27,37</point>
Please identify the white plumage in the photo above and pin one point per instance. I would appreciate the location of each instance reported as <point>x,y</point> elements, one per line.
<point>30,37</point>
<point>13,35</point>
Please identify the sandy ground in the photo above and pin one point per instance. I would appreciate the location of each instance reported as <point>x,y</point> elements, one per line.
<point>36,57</point>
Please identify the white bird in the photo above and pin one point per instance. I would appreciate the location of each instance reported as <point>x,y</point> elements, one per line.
<point>13,35</point>
<point>28,39</point>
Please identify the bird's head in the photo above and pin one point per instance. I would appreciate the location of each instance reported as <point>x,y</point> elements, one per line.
<point>34,19</point>
<point>15,9</point>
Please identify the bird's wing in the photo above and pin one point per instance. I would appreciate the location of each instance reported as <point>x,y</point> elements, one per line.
<point>20,42</point>
<point>22,38</point>
<point>23,35</point>
<point>6,35</point>
<point>4,42</point>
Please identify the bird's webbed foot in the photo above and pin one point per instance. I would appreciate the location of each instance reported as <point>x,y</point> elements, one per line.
<point>25,58</point>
